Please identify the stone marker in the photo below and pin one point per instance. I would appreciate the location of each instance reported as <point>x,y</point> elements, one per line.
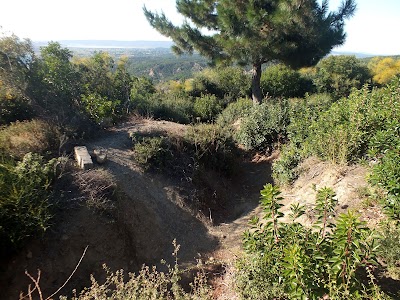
<point>83,157</point>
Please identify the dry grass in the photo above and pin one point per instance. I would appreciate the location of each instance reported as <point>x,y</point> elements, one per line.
<point>35,136</point>
<point>98,187</point>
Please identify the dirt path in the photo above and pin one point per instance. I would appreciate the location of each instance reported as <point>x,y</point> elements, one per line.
<point>157,201</point>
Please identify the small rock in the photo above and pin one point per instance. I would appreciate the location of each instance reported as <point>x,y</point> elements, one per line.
<point>29,255</point>
<point>345,206</point>
<point>101,158</point>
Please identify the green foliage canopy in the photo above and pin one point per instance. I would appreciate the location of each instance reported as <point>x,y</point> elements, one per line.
<point>337,75</point>
<point>297,33</point>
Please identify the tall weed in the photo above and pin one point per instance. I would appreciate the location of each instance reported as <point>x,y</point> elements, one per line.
<point>25,188</point>
<point>296,262</point>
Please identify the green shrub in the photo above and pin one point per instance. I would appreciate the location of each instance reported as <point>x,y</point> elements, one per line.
<point>167,106</point>
<point>230,83</point>
<point>206,146</point>
<point>155,152</point>
<point>346,131</point>
<point>284,170</point>
<point>389,249</point>
<point>281,81</point>
<point>235,111</point>
<point>13,109</point>
<point>265,124</point>
<point>25,189</point>
<point>213,147</point>
<point>100,109</point>
<point>386,174</point>
<point>306,263</point>
<point>254,281</point>
<point>207,107</point>
<point>303,112</point>
<point>338,75</point>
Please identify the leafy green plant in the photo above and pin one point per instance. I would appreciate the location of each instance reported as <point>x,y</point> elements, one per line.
<point>25,188</point>
<point>303,112</point>
<point>351,126</point>
<point>234,111</point>
<point>153,152</point>
<point>265,124</point>
<point>213,147</point>
<point>167,106</point>
<point>281,81</point>
<point>228,83</point>
<point>284,170</point>
<point>389,249</point>
<point>386,174</point>
<point>205,145</point>
<point>13,108</point>
<point>207,107</point>
<point>309,263</point>
<point>100,109</point>
<point>337,75</point>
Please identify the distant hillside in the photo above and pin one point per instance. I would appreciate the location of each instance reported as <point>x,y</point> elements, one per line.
<point>356,54</point>
<point>108,44</point>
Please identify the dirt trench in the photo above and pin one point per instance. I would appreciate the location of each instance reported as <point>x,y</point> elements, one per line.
<point>151,211</point>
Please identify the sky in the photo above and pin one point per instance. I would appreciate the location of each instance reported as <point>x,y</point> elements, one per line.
<point>372,30</point>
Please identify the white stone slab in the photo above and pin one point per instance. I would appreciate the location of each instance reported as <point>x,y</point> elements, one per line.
<point>83,157</point>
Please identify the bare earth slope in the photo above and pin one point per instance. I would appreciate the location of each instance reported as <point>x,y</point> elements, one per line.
<point>152,210</point>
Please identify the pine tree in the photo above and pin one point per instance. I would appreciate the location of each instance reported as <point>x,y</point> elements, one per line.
<point>297,33</point>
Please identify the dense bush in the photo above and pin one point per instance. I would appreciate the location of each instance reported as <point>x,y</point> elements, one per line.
<point>295,262</point>
<point>213,147</point>
<point>389,249</point>
<point>154,152</point>
<point>281,81</point>
<point>351,126</point>
<point>13,108</point>
<point>386,174</point>
<point>364,125</point>
<point>234,112</point>
<point>171,107</point>
<point>304,111</point>
<point>265,124</point>
<point>206,146</point>
<point>230,83</point>
<point>100,109</point>
<point>207,107</point>
<point>284,170</point>
<point>25,189</point>
<point>337,75</point>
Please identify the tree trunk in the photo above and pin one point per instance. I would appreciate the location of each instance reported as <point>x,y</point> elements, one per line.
<point>255,84</point>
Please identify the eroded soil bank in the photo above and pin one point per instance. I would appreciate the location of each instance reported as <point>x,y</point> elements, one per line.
<point>151,211</point>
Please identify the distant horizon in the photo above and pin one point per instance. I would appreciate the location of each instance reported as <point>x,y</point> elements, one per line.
<point>369,31</point>
<point>160,44</point>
